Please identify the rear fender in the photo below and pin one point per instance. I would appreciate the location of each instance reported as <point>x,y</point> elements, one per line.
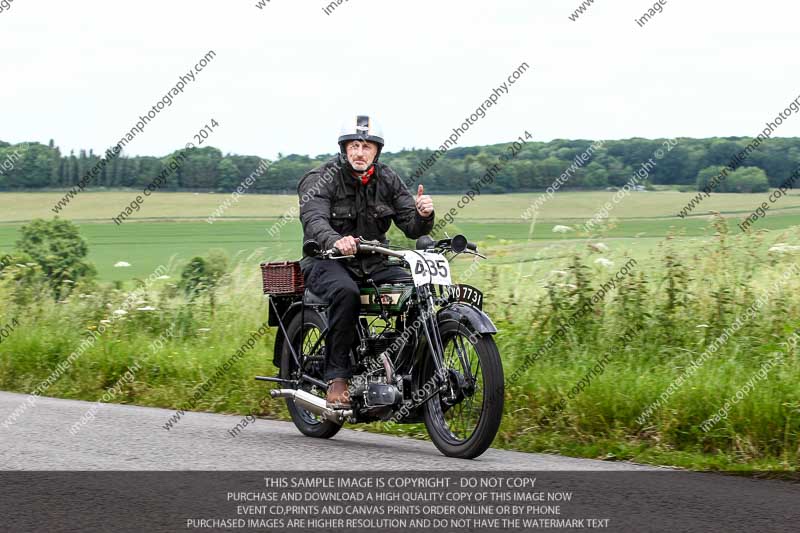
<point>286,319</point>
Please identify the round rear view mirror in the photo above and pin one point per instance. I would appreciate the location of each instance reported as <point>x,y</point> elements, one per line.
<point>458,243</point>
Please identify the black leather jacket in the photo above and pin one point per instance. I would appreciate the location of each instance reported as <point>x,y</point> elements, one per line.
<point>334,204</point>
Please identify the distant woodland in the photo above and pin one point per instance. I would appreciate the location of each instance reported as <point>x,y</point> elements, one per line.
<point>34,165</point>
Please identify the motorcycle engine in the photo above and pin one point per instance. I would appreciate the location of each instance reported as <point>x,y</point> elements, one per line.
<point>371,383</point>
<point>378,344</point>
<point>387,341</point>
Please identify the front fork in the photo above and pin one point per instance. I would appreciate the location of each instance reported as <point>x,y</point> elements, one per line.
<point>441,378</point>
<point>431,328</point>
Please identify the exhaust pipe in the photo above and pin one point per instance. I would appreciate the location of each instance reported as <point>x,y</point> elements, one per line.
<point>312,403</point>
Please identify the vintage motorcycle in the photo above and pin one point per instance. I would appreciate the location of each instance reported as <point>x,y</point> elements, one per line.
<point>420,355</point>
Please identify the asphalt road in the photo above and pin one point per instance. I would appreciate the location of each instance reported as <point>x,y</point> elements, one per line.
<point>126,437</point>
<point>122,451</point>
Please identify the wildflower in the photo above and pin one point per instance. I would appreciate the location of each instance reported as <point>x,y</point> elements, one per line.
<point>120,312</point>
<point>782,248</point>
<point>604,262</point>
<point>146,308</point>
<point>598,246</point>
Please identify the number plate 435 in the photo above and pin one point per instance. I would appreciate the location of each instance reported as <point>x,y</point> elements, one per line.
<point>428,267</point>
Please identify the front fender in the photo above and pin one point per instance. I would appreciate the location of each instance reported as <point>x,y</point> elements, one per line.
<point>458,315</point>
<point>464,313</point>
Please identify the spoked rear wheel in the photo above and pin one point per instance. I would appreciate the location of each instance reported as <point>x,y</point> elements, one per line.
<point>463,421</point>
<point>312,358</point>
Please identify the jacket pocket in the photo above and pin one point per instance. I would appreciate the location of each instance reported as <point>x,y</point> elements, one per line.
<point>383,215</point>
<point>343,211</point>
<point>343,218</point>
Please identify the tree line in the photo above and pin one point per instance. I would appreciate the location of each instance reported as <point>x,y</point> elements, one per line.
<point>538,164</point>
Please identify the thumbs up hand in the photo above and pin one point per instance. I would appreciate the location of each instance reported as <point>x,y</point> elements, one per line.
<point>424,203</point>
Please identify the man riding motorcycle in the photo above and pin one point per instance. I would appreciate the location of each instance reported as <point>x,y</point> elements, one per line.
<point>353,195</point>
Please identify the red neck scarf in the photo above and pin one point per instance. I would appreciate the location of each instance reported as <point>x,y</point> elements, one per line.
<point>365,177</point>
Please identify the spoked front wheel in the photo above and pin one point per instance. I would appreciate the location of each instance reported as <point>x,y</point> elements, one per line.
<point>462,419</point>
<point>310,339</point>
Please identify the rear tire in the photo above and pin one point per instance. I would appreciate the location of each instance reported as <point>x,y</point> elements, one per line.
<point>486,366</point>
<point>308,423</point>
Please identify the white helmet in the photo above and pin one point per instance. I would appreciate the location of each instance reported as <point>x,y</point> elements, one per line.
<point>363,128</point>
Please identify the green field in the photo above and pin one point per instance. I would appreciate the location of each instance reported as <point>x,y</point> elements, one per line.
<point>174,224</point>
<point>563,206</point>
<point>693,278</point>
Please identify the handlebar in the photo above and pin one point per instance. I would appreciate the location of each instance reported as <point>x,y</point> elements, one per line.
<point>457,244</point>
<point>334,252</point>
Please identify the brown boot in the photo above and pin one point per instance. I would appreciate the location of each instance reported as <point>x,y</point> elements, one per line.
<point>338,394</point>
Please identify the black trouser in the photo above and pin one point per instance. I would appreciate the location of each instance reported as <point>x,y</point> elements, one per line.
<point>332,281</point>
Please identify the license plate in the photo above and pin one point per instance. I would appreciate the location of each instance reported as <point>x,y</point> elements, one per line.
<point>465,293</point>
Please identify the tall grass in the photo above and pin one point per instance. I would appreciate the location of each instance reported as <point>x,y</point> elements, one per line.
<point>676,301</point>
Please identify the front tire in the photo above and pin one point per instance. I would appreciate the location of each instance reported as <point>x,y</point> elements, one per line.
<point>465,429</point>
<point>307,422</point>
